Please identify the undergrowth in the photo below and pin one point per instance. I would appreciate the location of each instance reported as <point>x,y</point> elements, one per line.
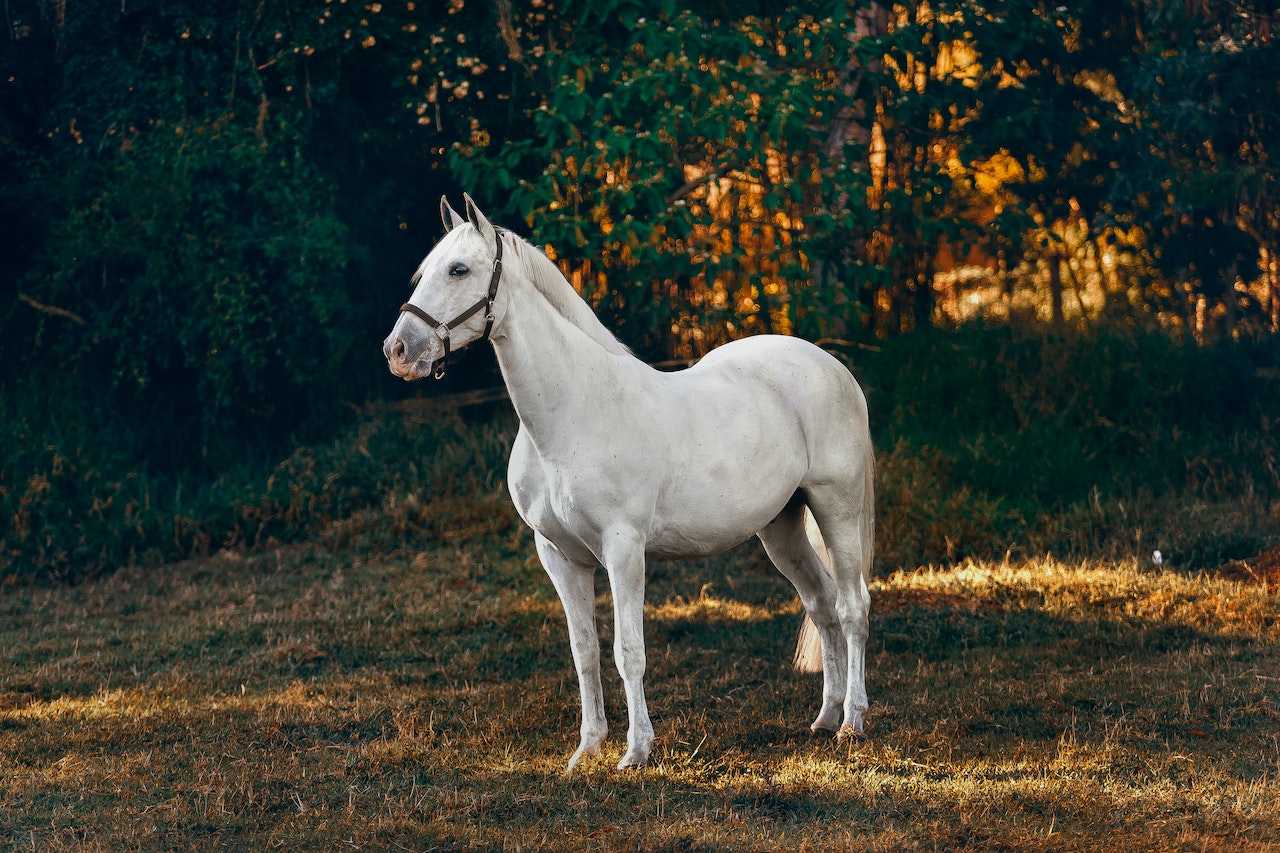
<point>1104,443</point>
<point>991,441</point>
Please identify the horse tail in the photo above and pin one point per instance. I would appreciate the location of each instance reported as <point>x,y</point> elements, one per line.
<point>808,656</point>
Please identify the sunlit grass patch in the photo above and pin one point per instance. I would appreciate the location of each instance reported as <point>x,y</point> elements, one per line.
<point>709,607</point>
<point>425,698</point>
<point>1082,590</point>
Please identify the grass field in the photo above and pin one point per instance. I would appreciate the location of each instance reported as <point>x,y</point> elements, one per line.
<point>324,698</point>
<point>355,647</point>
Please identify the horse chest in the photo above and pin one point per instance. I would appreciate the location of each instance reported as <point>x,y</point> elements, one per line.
<point>566,506</point>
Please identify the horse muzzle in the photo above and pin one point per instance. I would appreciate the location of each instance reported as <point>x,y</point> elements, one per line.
<point>406,367</point>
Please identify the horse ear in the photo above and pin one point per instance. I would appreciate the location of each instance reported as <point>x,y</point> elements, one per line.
<point>477,218</point>
<point>449,216</point>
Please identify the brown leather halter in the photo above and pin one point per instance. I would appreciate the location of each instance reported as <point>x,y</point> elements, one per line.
<point>442,329</point>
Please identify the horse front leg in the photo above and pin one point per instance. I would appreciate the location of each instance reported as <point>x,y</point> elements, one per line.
<point>625,563</point>
<point>575,584</point>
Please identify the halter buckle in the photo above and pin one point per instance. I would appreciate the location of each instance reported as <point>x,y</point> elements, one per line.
<point>442,332</point>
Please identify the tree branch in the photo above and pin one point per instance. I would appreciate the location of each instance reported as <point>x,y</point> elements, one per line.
<point>53,309</point>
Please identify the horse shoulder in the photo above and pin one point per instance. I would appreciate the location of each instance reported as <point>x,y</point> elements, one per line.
<point>572,501</point>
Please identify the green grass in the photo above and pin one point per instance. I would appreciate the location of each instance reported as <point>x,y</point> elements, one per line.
<point>423,699</point>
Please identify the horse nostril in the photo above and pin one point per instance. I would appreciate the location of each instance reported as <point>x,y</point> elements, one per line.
<point>397,350</point>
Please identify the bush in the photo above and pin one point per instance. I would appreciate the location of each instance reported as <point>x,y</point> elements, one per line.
<point>1003,439</point>
<point>992,441</point>
<point>82,503</point>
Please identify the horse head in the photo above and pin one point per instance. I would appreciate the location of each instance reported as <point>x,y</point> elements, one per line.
<point>452,301</point>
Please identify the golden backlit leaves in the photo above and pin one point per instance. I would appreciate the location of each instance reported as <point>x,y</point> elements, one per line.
<point>908,170</point>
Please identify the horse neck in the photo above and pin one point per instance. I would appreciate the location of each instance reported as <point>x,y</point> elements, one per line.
<point>552,284</point>
<point>557,359</point>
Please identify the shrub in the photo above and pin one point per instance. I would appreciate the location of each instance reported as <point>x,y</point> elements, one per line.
<point>992,441</point>
<point>1006,439</point>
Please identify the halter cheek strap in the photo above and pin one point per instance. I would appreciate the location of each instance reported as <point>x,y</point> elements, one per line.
<point>442,329</point>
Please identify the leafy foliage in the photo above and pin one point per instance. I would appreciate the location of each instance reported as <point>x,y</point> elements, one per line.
<point>202,187</point>
<point>686,167</point>
<point>995,439</point>
<point>213,210</point>
<point>1200,167</point>
<point>989,440</point>
<point>204,262</point>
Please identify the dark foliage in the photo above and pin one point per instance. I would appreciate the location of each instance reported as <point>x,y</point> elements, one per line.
<point>212,211</point>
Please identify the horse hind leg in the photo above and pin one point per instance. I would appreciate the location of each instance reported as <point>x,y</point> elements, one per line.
<point>789,547</point>
<point>808,656</point>
<point>847,525</point>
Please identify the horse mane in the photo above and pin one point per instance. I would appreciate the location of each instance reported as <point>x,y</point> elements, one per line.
<point>557,290</point>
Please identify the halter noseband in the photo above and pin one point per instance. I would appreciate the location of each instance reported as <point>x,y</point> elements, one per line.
<point>442,330</point>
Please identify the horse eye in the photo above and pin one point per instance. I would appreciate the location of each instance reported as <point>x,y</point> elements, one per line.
<point>458,270</point>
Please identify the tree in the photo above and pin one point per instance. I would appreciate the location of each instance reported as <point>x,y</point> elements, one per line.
<point>214,194</point>
<point>213,209</point>
<point>688,167</point>
<point>1200,177</point>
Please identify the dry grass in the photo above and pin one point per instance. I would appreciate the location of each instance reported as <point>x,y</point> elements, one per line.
<point>306,700</point>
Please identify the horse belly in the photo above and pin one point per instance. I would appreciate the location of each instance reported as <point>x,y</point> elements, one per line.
<point>681,542</point>
<point>748,426</point>
<point>725,488</point>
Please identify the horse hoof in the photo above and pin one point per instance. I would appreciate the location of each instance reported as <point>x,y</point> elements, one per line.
<point>850,734</point>
<point>589,747</point>
<point>822,733</point>
<point>633,761</point>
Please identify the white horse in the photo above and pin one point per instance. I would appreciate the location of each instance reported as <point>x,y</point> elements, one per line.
<point>615,463</point>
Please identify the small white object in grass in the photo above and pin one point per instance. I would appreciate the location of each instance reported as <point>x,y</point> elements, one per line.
<point>1157,558</point>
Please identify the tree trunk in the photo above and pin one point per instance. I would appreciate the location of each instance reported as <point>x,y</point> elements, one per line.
<point>1272,267</point>
<point>1230,301</point>
<point>1057,319</point>
<point>1184,298</point>
<point>853,122</point>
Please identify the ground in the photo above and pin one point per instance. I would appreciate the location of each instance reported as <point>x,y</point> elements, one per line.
<point>424,699</point>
